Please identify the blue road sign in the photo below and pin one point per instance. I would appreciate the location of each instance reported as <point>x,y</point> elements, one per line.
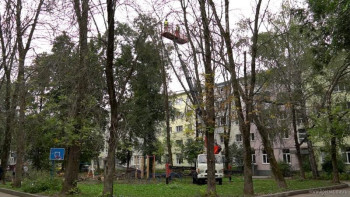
<point>57,154</point>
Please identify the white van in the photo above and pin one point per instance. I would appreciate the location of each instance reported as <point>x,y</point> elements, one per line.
<point>200,176</point>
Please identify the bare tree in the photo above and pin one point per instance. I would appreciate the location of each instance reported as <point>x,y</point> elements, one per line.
<point>8,52</point>
<point>23,48</point>
<point>110,168</point>
<point>247,94</point>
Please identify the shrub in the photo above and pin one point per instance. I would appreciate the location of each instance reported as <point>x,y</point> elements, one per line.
<point>327,165</point>
<point>344,176</point>
<point>41,183</point>
<point>285,169</point>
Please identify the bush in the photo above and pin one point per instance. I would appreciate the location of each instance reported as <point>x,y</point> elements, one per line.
<point>344,176</point>
<point>285,169</point>
<point>327,165</point>
<point>41,183</point>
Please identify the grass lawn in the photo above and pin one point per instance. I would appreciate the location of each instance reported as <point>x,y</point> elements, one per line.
<point>184,187</point>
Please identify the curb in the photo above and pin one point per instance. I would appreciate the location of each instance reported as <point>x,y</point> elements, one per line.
<point>18,193</point>
<point>306,191</point>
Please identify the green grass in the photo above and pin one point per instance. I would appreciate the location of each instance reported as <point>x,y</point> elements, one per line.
<point>184,188</point>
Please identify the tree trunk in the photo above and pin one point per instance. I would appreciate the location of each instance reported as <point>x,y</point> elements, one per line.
<point>296,143</point>
<point>312,159</point>
<point>22,52</point>
<point>21,133</point>
<point>7,62</point>
<point>334,160</point>
<point>209,118</point>
<point>167,116</point>
<point>72,169</point>
<point>110,166</point>
<point>227,136</point>
<point>277,173</point>
<point>9,121</point>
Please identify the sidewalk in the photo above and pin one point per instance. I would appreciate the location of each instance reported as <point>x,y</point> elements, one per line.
<point>340,190</point>
<point>18,193</point>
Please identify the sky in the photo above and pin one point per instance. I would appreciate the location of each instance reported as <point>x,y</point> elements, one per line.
<point>53,25</point>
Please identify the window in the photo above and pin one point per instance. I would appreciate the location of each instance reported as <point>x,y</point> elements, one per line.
<point>179,159</point>
<point>301,134</point>
<point>265,158</point>
<point>322,156</point>
<point>179,115</point>
<point>340,87</point>
<point>252,137</point>
<point>299,121</point>
<point>179,143</point>
<point>179,128</point>
<point>285,134</point>
<point>223,121</point>
<point>178,102</point>
<point>347,156</point>
<point>238,137</point>
<point>253,158</point>
<point>286,156</point>
<point>221,138</point>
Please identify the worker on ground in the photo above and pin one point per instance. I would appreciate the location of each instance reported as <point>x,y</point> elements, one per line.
<point>177,31</point>
<point>1,171</point>
<point>166,25</point>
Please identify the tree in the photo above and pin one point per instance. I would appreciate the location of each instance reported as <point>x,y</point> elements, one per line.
<point>81,9</point>
<point>209,113</point>
<point>23,49</point>
<point>8,52</point>
<point>245,94</point>
<point>333,40</point>
<point>192,149</point>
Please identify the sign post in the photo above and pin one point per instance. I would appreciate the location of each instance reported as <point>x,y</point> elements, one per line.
<point>56,154</point>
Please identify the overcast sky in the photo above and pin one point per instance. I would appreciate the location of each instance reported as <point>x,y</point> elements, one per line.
<point>55,24</point>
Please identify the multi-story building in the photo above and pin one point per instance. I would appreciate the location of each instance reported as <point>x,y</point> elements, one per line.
<point>183,130</point>
<point>282,136</point>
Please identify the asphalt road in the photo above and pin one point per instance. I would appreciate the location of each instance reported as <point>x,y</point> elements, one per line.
<point>6,195</point>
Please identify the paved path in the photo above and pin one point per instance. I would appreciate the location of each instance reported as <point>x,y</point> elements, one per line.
<point>345,192</point>
<point>6,195</point>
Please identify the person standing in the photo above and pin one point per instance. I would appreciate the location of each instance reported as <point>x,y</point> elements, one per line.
<point>166,25</point>
<point>177,31</point>
<point>1,171</point>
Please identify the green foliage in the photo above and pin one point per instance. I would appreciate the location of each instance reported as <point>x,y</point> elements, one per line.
<point>42,182</point>
<point>332,18</point>
<point>144,110</point>
<point>74,191</point>
<point>236,152</point>
<point>328,167</point>
<point>192,149</point>
<point>344,176</point>
<point>324,130</point>
<point>52,89</point>
<point>285,168</point>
